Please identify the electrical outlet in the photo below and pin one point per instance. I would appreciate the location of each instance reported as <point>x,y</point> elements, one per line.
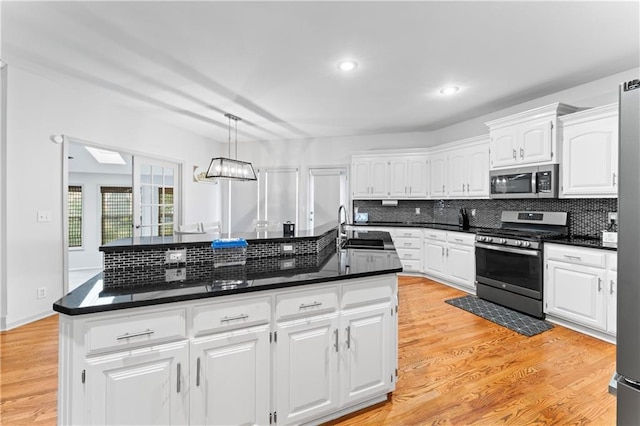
<point>44,216</point>
<point>612,217</point>
<point>417,210</point>
<point>42,292</point>
<point>473,212</point>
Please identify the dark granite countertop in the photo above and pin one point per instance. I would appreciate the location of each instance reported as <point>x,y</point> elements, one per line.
<point>585,241</point>
<point>281,272</point>
<point>428,225</point>
<point>138,243</point>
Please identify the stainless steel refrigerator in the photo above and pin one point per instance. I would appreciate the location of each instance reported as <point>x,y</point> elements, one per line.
<point>628,335</point>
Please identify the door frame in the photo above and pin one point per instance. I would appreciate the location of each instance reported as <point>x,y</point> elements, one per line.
<point>66,139</point>
<point>337,170</point>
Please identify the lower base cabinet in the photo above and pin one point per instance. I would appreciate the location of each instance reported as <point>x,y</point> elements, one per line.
<point>289,356</point>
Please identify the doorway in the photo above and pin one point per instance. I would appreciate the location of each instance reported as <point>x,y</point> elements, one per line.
<point>327,191</point>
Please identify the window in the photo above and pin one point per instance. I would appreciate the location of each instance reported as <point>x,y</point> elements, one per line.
<point>117,213</point>
<point>74,218</point>
<point>165,212</point>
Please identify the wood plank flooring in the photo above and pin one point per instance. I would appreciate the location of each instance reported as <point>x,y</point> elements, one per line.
<point>454,368</point>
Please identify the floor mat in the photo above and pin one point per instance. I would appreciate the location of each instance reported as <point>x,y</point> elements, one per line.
<point>515,321</point>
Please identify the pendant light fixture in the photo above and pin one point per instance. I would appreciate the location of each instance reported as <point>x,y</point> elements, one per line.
<point>229,168</point>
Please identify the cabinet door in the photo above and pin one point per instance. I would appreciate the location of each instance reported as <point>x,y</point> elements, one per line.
<point>230,377</point>
<point>307,367</point>
<point>478,171</point>
<point>535,141</point>
<point>367,348</point>
<point>461,265</point>
<point>379,178</point>
<point>590,158</point>
<point>418,172</point>
<point>504,144</point>
<point>457,173</point>
<point>612,301</point>
<point>360,178</point>
<point>438,172</point>
<point>434,257</point>
<point>398,185</point>
<point>146,386</point>
<point>576,293</point>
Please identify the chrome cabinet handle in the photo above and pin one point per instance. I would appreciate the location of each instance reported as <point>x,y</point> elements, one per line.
<point>198,372</point>
<point>463,187</point>
<point>599,284</point>
<point>614,179</point>
<point>578,258</point>
<point>467,187</point>
<point>348,329</point>
<point>433,236</point>
<point>138,334</point>
<point>178,386</point>
<point>237,317</point>
<point>443,251</point>
<point>310,305</point>
<point>611,287</point>
<point>522,153</point>
<point>336,344</point>
<point>442,188</point>
<point>447,251</point>
<point>407,244</point>
<point>514,154</point>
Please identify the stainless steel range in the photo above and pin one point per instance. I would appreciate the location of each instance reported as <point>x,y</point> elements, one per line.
<point>509,261</point>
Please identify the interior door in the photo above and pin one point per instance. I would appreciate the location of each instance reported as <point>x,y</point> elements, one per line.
<point>327,191</point>
<point>156,196</point>
<point>281,195</point>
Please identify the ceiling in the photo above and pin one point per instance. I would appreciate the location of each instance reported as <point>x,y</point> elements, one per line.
<point>274,64</point>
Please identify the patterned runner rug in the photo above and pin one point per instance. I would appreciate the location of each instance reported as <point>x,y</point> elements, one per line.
<point>515,321</point>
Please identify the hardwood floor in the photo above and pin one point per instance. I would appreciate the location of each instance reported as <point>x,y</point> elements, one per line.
<point>454,368</point>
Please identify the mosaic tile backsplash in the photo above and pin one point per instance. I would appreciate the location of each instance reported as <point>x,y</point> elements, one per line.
<point>587,216</point>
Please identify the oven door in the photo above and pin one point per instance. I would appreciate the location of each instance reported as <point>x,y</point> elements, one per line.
<point>509,268</point>
<point>514,183</point>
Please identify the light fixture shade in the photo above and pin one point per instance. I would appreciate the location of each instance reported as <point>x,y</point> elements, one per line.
<point>227,168</point>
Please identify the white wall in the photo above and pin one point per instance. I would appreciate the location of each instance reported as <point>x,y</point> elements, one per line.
<point>3,183</point>
<point>88,256</point>
<point>39,107</point>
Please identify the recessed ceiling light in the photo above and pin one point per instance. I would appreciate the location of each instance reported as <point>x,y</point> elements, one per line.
<point>449,90</point>
<point>347,65</point>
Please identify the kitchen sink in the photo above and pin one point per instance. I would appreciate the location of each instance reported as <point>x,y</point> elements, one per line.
<point>363,243</point>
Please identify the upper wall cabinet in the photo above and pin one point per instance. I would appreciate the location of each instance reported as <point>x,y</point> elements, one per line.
<point>389,176</point>
<point>526,138</point>
<point>468,171</point>
<point>589,164</point>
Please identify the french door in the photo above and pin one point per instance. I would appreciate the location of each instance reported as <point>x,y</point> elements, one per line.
<point>327,191</point>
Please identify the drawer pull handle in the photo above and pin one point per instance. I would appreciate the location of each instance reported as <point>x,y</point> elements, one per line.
<point>310,305</point>
<point>433,236</point>
<point>178,386</point>
<point>578,258</point>
<point>407,244</point>
<point>138,334</point>
<point>458,240</point>
<point>237,317</point>
<point>406,234</point>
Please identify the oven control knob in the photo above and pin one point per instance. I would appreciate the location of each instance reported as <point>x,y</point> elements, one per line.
<point>518,243</point>
<point>503,241</point>
<point>488,239</point>
<point>526,243</point>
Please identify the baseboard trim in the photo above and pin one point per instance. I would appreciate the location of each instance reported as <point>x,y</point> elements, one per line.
<point>24,321</point>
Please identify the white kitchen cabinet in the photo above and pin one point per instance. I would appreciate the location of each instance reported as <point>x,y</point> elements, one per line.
<point>145,386</point>
<point>589,164</point>
<point>367,345</point>
<point>468,172</point>
<point>438,175</point>
<point>450,256</point>
<point>529,137</point>
<point>370,177</point>
<point>580,287</point>
<point>409,246</point>
<point>418,166</point>
<point>239,359</point>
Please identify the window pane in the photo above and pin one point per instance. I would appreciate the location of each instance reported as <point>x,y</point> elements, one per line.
<point>117,213</point>
<point>145,174</point>
<point>74,204</point>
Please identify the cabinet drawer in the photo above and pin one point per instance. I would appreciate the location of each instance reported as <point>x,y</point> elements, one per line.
<point>576,255</point>
<point>408,233</point>
<point>411,265</point>
<point>435,234</point>
<point>306,303</point>
<point>215,317</point>
<point>135,330</point>
<point>368,290</point>
<point>461,238</point>
<point>409,254</point>
<point>408,243</point>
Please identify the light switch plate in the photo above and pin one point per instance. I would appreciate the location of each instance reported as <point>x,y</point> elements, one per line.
<point>175,256</point>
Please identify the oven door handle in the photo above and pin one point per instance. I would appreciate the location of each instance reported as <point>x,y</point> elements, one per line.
<point>534,253</point>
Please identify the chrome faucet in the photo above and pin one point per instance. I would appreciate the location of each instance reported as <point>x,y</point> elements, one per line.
<point>342,232</point>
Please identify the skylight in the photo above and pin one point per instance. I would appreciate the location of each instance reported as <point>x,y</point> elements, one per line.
<point>103,156</point>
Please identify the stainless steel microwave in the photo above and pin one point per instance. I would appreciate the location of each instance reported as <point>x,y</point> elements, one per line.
<point>525,182</point>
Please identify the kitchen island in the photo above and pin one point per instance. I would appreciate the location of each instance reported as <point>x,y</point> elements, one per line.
<point>302,339</point>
